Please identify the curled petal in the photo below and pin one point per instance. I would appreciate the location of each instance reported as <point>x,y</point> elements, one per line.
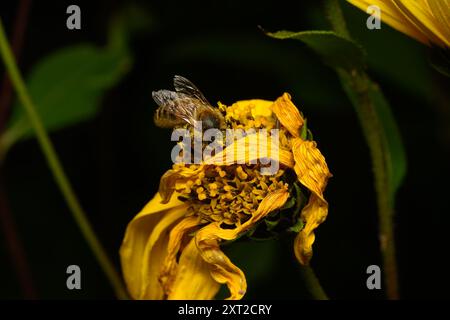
<point>312,171</point>
<point>288,114</point>
<point>251,148</point>
<point>209,237</point>
<point>314,213</point>
<point>177,235</point>
<point>310,166</point>
<point>222,270</point>
<point>173,177</point>
<point>193,279</point>
<point>146,240</point>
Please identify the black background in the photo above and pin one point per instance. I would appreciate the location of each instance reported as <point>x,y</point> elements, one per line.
<point>115,161</point>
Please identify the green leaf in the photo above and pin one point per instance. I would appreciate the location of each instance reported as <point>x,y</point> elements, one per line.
<point>304,130</point>
<point>335,50</point>
<point>348,59</point>
<point>289,204</point>
<point>364,92</point>
<point>66,87</point>
<point>395,151</point>
<point>297,227</point>
<point>271,224</point>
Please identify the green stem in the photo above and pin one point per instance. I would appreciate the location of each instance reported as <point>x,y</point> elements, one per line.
<point>358,92</point>
<point>312,283</point>
<point>57,169</point>
<point>358,86</point>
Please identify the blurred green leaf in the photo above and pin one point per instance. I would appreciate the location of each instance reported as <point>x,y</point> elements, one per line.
<point>395,150</point>
<point>336,51</point>
<point>68,84</point>
<point>361,90</point>
<point>66,87</point>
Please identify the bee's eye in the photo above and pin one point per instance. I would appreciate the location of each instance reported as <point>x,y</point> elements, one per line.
<point>210,122</point>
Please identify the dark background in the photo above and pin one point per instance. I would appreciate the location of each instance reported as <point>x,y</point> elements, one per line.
<point>115,160</point>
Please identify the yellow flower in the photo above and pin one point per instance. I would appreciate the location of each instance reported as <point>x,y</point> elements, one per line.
<point>172,248</point>
<point>427,21</point>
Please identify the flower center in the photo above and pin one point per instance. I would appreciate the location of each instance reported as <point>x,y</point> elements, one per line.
<point>228,194</point>
<point>231,194</point>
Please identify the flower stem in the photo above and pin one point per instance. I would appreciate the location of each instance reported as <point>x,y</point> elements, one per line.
<point>312,283</point>
<point>12,236</point>
<point>358,86</point>
<point>57,169</point>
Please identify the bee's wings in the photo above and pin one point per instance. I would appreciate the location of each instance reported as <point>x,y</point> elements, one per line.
<point>173,107</point>
<point>186,87</point>
<point>180,104</point>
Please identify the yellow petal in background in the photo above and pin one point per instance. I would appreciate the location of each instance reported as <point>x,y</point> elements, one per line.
<point>312,171</point>
<point>441,12</point>
<point>193,279</point>
<point>145,240</point>
<point>392,16</point>
<point>288,114</point>
<point>418,13</point>
<point>424,20</point>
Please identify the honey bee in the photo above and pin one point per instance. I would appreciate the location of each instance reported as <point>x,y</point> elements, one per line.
<point>184,106</point>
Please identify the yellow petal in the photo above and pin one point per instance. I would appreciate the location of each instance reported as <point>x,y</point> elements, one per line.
<point>177,235</point>
<point>312,171</point>
<point>193,279</point>
<point>288,114</point>
<point>171,177</point>
<point>208,239</point>
<point>418,14</point>
<point>441,12</point>
<point>314,213</point>
<point>222,270</point>
<point>145,241</point>
<point>391,15</point>
<point>249,148</point>
<point>262,109</point>
<point>310,166</point>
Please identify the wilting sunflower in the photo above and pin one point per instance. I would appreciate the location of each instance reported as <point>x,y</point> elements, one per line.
<point>172,248</point>
<point>427,21</point>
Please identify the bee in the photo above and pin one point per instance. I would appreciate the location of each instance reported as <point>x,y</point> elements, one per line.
<point>184,106</point>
